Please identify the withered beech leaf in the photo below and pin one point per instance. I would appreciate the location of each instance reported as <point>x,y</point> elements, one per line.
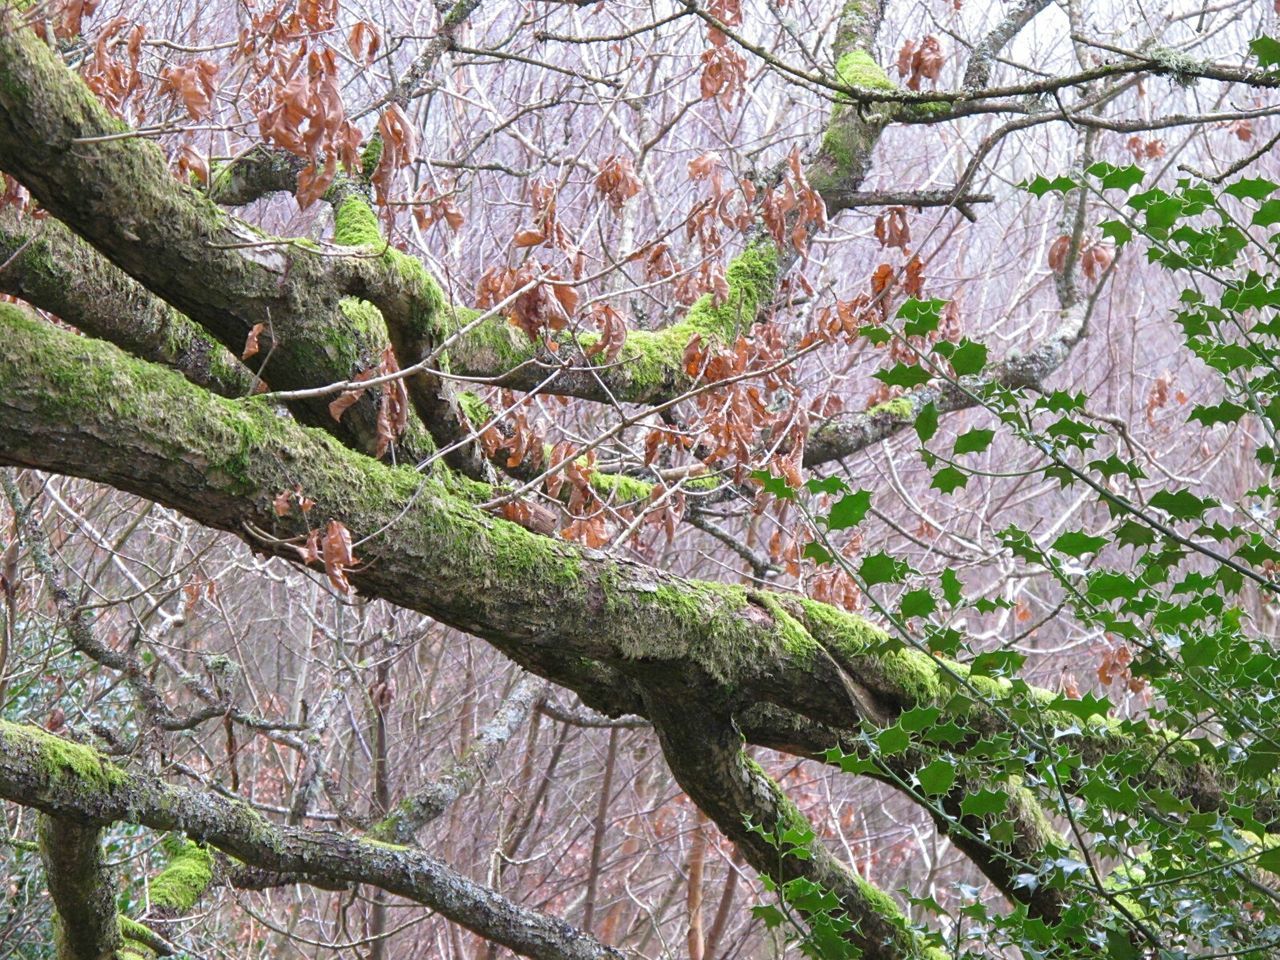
<point>337,553</point>
<point>251,345</point>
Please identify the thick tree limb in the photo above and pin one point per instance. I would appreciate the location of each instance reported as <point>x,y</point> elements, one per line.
<point>48,266</point>
<point>541,601</point>
<point>705,754</point>
<point>82,887</point>
<point>116,192</point>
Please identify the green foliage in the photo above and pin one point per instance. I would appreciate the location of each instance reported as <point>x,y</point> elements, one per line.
<point>1157,834</point>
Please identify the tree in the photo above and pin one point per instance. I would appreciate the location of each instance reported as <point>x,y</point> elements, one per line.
<point>338,400</point>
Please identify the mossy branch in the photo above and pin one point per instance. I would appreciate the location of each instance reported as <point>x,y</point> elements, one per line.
<point>77,786</point>
<point>116,192</point>
<point>49,267</point>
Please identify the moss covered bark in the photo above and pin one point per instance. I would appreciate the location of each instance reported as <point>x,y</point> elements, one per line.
<point>219,272</point>
<point>48,266</point>
<point>650,367</point>
<point>185,877</point>
<point>80,883</point>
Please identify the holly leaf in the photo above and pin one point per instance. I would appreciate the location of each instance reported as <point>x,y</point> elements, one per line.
<point>937,777</point>
<point>949,480</point>
<point>974,441</point>
<point>1116,178</point>
<point>882,568</point>
<point>917,603</point>
<point>927,422</point>
<point>773,485</point>
<point>1077,543</point>
<point>849,510</point>
<point>969,358</point>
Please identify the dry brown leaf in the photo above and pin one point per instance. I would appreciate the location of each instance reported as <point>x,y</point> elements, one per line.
<point>251,345</point>
<point>337,554</point>
<point>1058,251</point>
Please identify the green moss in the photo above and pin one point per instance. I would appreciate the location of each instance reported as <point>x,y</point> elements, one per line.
<point>363,316</point>
<point>476,410</point>
<point>751,277</point>
<point>138,940</point>
<point>851,133</point>
<point>857,68</point>
<point>650,361</point>
<point>493,345</point>
<point>182,882</point>
<point>654,358</point>
<point>1182,68</point>
<point>621,487</point>
<point>371,155</point>
<point>711,624</point>
<point>356,225</point>
<point>909,676</point>
<point>796,640</point>
<point>394,847</point>
<point>62,761</point>
<point>933,109</point>
<point>900,408</point>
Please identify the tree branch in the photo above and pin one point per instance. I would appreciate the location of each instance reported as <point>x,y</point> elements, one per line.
<point>70,781</point>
